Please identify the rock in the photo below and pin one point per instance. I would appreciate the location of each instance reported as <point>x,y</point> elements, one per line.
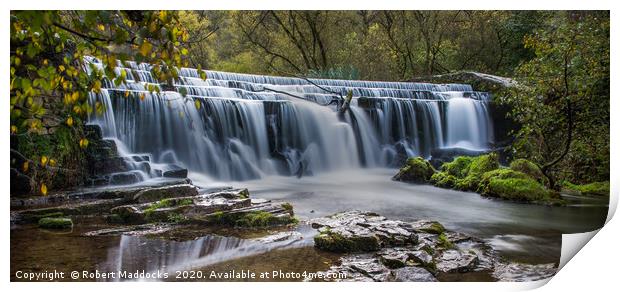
<point>156,194</point>
<point>281,236</point>
<point>455,261</point>
<point>416,170</point>
<point>55,223</point>
<point>412,274</point>
<point>393,258</point>
<point>175,171</point>
<point>231,194</point>
<point>426,226</point>
<point>124,178</point>
<point>421,257</point>
<point>362,267</point>
<point>361,231</point>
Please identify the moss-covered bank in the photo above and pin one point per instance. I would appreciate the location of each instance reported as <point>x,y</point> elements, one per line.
<point>522,181</point>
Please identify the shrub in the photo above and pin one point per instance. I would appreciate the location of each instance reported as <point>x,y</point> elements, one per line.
<point>529,168</point>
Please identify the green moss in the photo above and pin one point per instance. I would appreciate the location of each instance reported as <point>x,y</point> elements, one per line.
<point>501,173</point>
<point>444,242</point>
<point>165,203</point>
<point>478,166</point>
<point>443,180</point>
<point>458,167</point>
<point>518,189</point>
<point>250,219</point>
<point>529,168</point>
<point>416,169</point>
<point>288,207</point>
<point>433,228</point>
<point>55,223</point>
<point>176,218</point>
<point>335,242</point>
<point>591,189</point>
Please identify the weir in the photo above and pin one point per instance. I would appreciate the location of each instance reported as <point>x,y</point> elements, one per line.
<point>239,126</point>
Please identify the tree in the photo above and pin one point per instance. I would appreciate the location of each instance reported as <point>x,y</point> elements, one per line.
<point>48,50</point>
<point>564,97</point>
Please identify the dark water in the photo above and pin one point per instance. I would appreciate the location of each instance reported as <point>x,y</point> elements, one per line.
<point>521,232</point>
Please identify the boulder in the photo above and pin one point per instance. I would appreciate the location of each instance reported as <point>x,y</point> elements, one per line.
<point>415,170</point>
<point>452,261</point>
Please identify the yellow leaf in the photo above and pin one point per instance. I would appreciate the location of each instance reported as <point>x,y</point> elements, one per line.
<point>61,68</point>
<point>197,104</point>
<point>145,48</point>
<point>45,62</point>
<point>25,166</point>
<point>142,96</point>
<point>83,143</point>
<point>101,27</point>
<point>126,93</point>
<point>70,121</point>
<point>52,162</point>
<point>44,160</point>
<point>13,129</point>
<point>44,189</point>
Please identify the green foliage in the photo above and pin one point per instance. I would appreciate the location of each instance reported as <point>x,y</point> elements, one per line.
<point>55,223</point>
<point>444,242</point>
<point>591,189</point>
<point>253,219</point>
<point>47,77</point>
<point>529,168</point>
<point>562,102</point>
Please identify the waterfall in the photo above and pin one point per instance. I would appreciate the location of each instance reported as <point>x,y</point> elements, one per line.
<point>240,126</point>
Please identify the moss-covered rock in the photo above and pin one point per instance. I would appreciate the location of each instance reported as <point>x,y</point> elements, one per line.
<point>591,189</point>
<point>458,167</point>
<point>55,223</point>
<point>250,219</point>
<point>416,170</point>
<point>517,189</point>
<point>336,242</point>
<point>443,180</point>
<point>500,173</point>
<point>478,166</point>
<point>529,168</point>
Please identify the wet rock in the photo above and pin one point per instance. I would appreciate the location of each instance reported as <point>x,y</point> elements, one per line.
<point>156,194</point>
<point>412,274</point>
<point>175,171</point>
<point>426,226</point>
<point>124,178</point>
<point>361,231</point>
<point>421,257</point>
<point>231,194</point>
<point>90,207</point>
<point>281,236</point>
<point>393,258</point>
<point>362,268</point>
<point>455,261</point>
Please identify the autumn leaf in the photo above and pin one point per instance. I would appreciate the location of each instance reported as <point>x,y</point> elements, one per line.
<point>52,162</point>
<point>197,104</point>
<point>142,96</point>
<point>25,166</point>
<point>83,143</point>
<point>44,160</point>
<point>70,122</point>
<point>126,93</point>
<point>44,189</point>
<point>13,129</point>
<point>145,48</point>
<point>101,27</point>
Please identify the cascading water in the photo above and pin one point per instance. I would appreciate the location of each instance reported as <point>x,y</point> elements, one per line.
<point>240,126</point>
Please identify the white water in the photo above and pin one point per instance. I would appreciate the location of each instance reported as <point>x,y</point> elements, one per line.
<point>242,130</point>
